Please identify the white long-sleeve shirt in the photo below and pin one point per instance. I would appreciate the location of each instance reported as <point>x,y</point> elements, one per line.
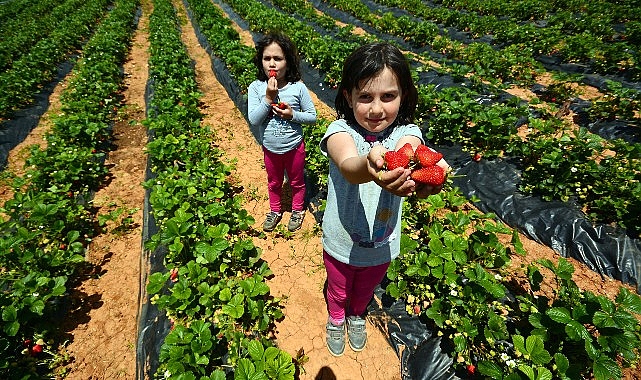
<point>277,134</point>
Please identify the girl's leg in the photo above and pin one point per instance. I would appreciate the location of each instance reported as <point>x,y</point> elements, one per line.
<point>365,280</point>
<point>338,281</point>
<point>275,173</point>
<point>295,165</point>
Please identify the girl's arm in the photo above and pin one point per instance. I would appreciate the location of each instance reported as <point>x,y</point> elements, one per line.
<point>307,113</point>
<point>362,169</point>
<point>257,108</point>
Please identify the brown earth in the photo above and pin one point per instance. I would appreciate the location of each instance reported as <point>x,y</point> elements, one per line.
<point>102,325</point>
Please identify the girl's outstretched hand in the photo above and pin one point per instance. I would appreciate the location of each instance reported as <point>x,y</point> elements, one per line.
<point>398,181</point>
<point>395,181</point>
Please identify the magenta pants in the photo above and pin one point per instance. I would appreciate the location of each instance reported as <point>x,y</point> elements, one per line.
<point>276,164</point>
<point>350,288</point>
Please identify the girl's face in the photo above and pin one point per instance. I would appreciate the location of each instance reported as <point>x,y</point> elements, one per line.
<point>377,102</point>
<point>274,59</point>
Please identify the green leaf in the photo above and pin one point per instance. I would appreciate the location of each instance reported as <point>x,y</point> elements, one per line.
<point>536,349</point>
<point>577,331</point>
<point>543,374</point>
<point>235,307</point>
<point>37,307</point>
<point>245,370</point>
<point>559,314</point>
<point>9,313</point>
<point>606,369</point>
<point>629,301</point>
<point>565,269</point>
<point>527,371</point>
<point>562,362</point>
<point>490,369</point>
<point>156,282</point>
<point>519,343</point>
<point>255,349</point>
<point>225,294</point>
<point>11,328</point>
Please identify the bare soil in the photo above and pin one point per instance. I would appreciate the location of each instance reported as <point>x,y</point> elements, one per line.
<point>102,325</point>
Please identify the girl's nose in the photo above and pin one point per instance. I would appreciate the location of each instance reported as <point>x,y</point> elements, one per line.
<point>375,107</point>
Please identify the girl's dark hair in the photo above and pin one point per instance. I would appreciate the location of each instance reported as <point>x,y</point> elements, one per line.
<point>365,63</point>
<point>289,49</point>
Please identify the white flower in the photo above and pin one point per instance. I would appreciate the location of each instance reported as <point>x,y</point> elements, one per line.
<point>573,169</point>
<point>504,357</point>
<point>511,363</point>
<point>498,277</point>
<point>453,292</point>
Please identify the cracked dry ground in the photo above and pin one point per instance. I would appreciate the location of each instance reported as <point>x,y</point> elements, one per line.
<point>102,327</point>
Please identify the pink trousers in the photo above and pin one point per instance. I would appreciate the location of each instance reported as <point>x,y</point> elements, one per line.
<point>350,288</point>
<point>276,164</point>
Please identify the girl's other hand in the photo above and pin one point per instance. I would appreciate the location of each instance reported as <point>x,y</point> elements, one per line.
<point>283,110</point>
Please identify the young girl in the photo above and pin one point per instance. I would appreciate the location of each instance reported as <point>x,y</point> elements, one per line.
<point>361,224</point>
<point>278,105</point>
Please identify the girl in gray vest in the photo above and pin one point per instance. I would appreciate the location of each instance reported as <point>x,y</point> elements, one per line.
<point>361,225</point>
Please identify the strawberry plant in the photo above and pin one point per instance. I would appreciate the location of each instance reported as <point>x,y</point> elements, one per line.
<point>571,334</point>
<point>460,289</point>
<point>617,103</point>
<point>213,291</point>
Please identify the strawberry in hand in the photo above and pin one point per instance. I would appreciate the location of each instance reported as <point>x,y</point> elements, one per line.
<point>430,175</point>
<point>272,73</point>
<point>399,159</point>
<point>426,156</point>
<point>394,159</point>
<point>407,150</point>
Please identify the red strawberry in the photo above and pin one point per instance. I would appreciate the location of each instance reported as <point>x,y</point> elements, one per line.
<point>282,105</point>
<point>36,349</point>
<point>432,175</point>
<point>426,156</point>
<point>471,369</point>
<point>272,73</point>
<point>395,160</point>
<point>477,157</point>
<point>407,150</point>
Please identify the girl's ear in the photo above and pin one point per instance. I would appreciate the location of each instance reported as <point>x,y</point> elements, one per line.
<point>348,98</point>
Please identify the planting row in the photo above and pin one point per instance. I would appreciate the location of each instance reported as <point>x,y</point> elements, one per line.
<point>50,220</point>
<point>210,280</point>
<point>38,64</point>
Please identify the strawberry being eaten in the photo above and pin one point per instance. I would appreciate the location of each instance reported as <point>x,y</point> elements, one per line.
<point>272,73</point>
